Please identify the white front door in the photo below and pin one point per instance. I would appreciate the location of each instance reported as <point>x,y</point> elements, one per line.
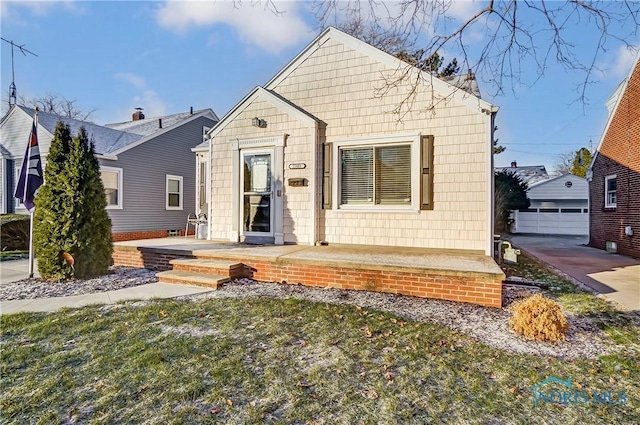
<point>256,203</point>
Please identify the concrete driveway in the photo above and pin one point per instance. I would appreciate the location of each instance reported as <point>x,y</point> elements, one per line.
<point>617,277</point>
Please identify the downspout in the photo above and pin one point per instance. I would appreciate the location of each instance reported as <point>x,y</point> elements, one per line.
<point>490,182</point>
<point>314,185</point>
<point>589,180</point>
<point>209,187</point>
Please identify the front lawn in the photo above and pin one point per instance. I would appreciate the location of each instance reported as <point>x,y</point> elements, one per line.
<point>289,361</point>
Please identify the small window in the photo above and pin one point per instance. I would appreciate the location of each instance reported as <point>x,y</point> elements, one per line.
<point>571,210</point>
<point>174,192</point>
<point>528,210</point>
<point>549,210</point>
<point>610,189</point>
<point>112,181</point>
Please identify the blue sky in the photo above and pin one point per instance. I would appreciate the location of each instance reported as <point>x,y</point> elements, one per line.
<point>167,57</point>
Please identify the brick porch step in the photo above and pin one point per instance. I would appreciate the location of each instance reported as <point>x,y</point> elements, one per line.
<point>233,269</point>
<point>192,278</point>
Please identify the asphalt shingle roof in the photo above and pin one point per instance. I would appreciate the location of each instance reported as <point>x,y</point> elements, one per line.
<point>529,174</point>
<point>105,140</point>
<point>147,126</point>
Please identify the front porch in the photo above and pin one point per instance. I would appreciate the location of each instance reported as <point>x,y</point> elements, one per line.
<point>454,275</point>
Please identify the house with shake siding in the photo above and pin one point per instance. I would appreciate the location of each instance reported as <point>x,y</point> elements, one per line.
<point>614,175</point>
<point>334,149</point>
<point>146,164</point>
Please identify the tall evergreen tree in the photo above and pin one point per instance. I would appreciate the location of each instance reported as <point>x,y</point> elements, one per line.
<point>70,217</point>
<point>510,194</point>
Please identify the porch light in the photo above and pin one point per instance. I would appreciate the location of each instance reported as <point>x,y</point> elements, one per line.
<point>257,122</point>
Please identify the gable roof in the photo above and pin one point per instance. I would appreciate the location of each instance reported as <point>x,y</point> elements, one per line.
<point>149,126</point>
<point>113,139</point>
<point>175,120</point>
<point>447,88</point>
<point>530,174</point>
<point>568,176</point>
<point>105,139</point>
<point>268,96</point>
<point>618,94</point>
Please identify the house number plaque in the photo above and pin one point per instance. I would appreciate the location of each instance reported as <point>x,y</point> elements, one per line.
<point>297,166</point>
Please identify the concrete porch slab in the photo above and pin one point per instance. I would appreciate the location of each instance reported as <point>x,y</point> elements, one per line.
<point>466,276</point>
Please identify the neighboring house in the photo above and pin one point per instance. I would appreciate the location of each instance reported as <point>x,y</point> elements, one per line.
<point>146,166</point>
<point>559,205</point>
<point>529,174</point>
<point>318,155</point>
<point>614,175</point>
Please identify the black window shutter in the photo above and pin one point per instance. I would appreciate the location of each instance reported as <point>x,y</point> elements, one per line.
<point>426,173</point>
<point>326,180</point>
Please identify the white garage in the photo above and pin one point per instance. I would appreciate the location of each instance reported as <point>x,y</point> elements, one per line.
<point>559,205</point>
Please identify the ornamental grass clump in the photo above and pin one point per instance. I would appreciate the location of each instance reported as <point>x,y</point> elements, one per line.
<point>539,318</point>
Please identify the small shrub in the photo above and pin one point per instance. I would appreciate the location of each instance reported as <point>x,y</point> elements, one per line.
<point>14,232</point>
<point>539,318</point>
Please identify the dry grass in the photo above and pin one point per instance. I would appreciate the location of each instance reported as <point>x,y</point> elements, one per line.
<point>539,318</point>
<point>257,361</point>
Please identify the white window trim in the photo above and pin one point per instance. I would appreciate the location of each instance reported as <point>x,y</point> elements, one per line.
<point>384,140</point>
<point>118,171</point>
<point>606,191</point>
<point>166,191</point>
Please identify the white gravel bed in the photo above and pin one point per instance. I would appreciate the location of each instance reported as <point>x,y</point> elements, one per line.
<point>118,278</point>
<point>488,326</point>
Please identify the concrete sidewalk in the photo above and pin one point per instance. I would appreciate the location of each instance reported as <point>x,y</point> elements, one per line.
<point>14,270</point>
<point>141,292</point>
<point>616,277</point>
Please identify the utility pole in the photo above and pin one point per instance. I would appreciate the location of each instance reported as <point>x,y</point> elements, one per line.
<point>13,94</point>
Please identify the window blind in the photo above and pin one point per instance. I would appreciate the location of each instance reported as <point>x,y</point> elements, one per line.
<point>356,186</point>
<point>393,175</point>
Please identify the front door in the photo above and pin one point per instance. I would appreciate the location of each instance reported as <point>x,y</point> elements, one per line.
<point>257,193</point>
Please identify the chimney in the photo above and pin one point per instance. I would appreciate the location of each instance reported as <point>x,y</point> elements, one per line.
<point>470,75</point>
<point>138,115</point>
<point>192,110</point>
<point>514,164</point>
<point>159,122</point>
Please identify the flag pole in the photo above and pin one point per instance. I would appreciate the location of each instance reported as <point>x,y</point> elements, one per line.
<point>31,213</point>
<point>31,178</point>
<point>31,245</point>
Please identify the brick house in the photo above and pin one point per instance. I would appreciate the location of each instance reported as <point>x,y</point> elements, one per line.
<point>318,155</point>
<point>614,176</point>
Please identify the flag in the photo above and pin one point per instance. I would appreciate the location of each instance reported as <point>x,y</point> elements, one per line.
<point>31,171</point>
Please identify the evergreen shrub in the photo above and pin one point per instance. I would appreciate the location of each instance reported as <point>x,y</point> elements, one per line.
<point>70,216</point>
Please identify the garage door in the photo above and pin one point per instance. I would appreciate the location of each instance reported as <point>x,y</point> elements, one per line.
<point>562,221</point>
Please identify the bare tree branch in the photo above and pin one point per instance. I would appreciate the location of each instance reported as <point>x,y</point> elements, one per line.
<point>514,34</point>
<point>58,105</point>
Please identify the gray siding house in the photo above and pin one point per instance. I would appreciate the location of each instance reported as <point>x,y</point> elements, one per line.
<point>147,166</point>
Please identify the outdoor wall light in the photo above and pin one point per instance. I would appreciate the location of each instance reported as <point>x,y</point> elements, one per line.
<point>257,122</point>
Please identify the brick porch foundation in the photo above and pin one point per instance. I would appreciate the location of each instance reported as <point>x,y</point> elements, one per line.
<point>470,287</point>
